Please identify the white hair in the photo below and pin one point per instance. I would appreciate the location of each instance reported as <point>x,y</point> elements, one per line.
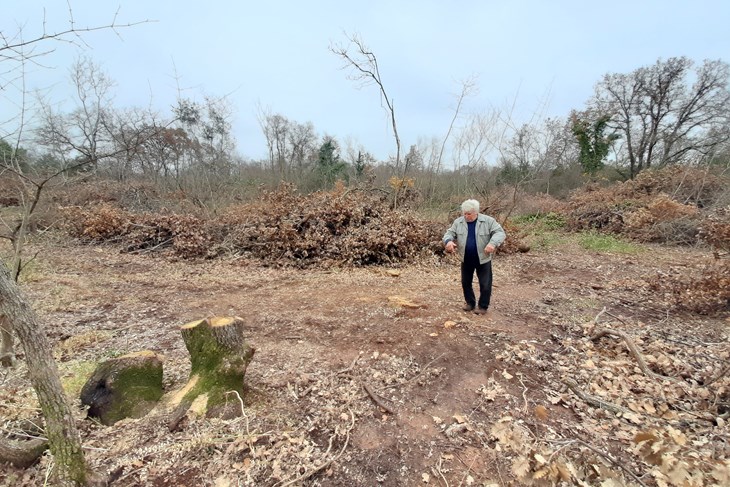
<point>470,205</point>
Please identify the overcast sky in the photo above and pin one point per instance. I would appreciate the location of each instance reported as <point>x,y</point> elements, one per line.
<point>544,55</point>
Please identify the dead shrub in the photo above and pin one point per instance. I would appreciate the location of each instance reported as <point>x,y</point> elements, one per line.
<point>538,204</point>
<point>186,235</point>
<point>596,208</point>
<point>338,227</point>
<point>688,185</point>
<point>515,240</point>
<point>99,223</point>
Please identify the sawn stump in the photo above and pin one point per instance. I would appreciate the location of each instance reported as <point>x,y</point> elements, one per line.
<point>124,387</point>
<point>219,356</point>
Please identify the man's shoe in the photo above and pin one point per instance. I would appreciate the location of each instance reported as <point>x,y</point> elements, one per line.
<point>468,307</point>
<point>481,311</point>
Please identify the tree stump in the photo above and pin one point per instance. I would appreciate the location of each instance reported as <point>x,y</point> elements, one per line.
<point>219,357</point>
<point>124,387</point>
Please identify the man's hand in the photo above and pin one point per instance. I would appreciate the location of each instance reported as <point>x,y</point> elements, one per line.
<point>450,246</point>
<point>490,248</point>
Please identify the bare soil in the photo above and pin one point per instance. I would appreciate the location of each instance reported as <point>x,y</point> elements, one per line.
<point>446,377</point>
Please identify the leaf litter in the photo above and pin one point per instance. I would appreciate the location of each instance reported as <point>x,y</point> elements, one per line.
<point>497,385</point>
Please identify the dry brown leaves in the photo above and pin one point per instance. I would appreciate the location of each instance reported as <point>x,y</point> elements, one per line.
<point>674,429</point>
<point>658,206</point>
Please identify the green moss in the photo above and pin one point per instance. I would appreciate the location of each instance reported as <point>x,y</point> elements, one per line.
<point>128,386</point>
<point>137,388</point>
<point>218,375</point>
<point>74,375</point>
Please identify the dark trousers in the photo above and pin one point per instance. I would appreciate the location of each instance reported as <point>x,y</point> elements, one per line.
<point>484,274</point>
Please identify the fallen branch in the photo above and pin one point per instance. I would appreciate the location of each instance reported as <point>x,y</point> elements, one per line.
<point>22,454</point>
<point>594,400</point>
<point>151,249</point>
<point>634,351</point>
<point>349,369</point>
<point>376,399</point>
<point>594,321</point>
<point>607,457</point>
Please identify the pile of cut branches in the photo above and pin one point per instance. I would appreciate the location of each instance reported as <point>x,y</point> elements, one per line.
<point>343,227</point>
<point>658,206</point>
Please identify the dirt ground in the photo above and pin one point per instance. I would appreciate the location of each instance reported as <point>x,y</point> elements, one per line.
<point>464,399</point>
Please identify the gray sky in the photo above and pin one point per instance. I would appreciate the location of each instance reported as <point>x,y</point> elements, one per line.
<point>545,56</point>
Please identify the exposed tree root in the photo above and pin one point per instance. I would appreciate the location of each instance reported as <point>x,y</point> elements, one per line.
<point>593,400</point>
<point>634,351</point>
<point>376,399</point>
<point>22,454</point>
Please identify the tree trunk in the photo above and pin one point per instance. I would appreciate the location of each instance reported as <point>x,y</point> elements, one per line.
<point>63,437</point>
<point>124,387</point>
<point>7,353</point>
<point>219,356</point>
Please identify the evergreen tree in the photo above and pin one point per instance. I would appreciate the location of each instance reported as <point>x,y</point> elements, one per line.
<point>329,164</point>
<point>594,144</point>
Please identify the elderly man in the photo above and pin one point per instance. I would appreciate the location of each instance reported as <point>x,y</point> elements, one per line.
<point>476,236</point>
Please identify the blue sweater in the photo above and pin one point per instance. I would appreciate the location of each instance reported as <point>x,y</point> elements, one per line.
<point>471,251</point>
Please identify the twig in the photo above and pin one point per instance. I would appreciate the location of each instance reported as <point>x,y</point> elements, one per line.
<point>348,369</point>
<point>610,459</point>
<point>595,319</point>
<point>329,448</point>
<point>614,316</point>
<point>468,467</point>
<point>376,399</point>
<point>423,370</point>
<point>151,249</point>
<point>634,351</point>
<point>565,445</point>
<point>245,416</point>
<point>438,469</point>
<point>719,376</point>
<point>131,472</point>
<point>524,391</point>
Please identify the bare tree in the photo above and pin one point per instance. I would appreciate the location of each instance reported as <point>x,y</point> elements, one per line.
<point>276,131</point>
<point>302,147</point>
<point>207,161</point>
<point>365,68</point>
<point>63,437</point>
<point>81,134</point>
<point>662,118</point>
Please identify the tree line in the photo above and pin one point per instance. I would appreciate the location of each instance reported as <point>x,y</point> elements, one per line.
<point>675,111</point>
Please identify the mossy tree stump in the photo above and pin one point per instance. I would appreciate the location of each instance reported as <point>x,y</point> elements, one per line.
<point>219,357</point>
<point>124,387</point>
